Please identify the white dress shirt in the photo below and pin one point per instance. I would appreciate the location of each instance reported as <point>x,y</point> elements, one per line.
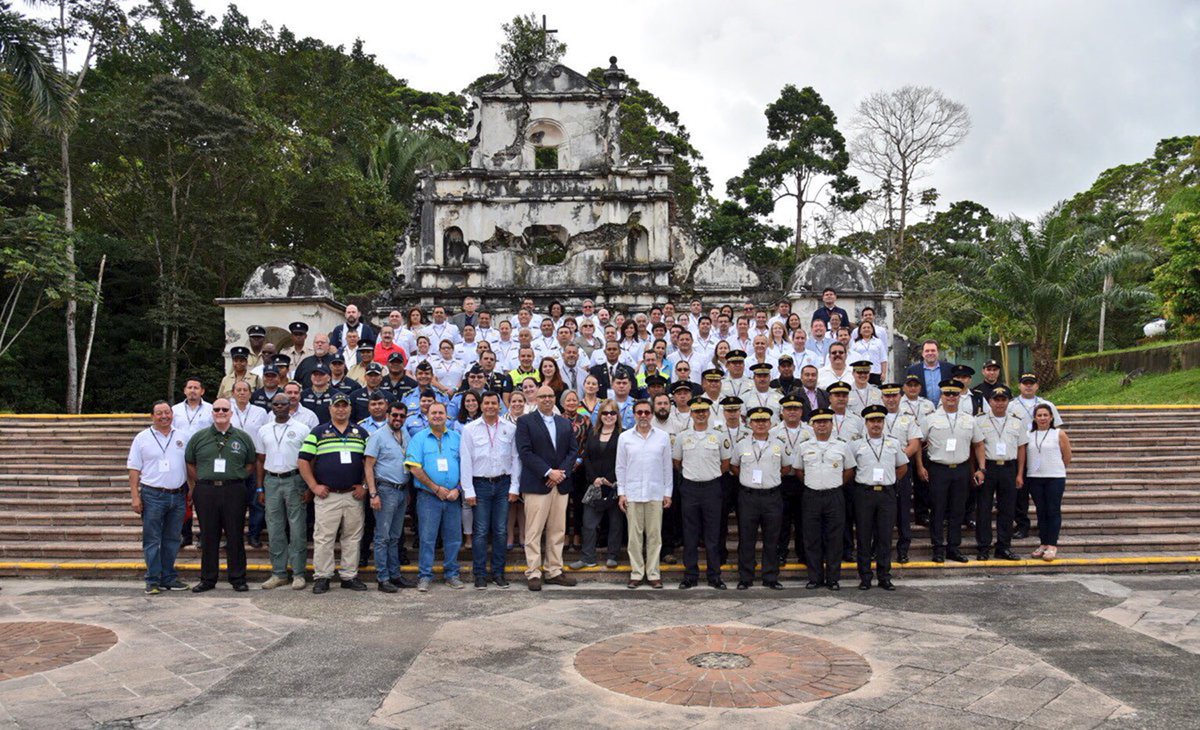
<point>549,421</point>
<point>189,420</point>
<point>280,444</point>
<point>438,332</point>
<point>159,458</point>
<point>305,416</point>
<point>644,465</point>
<point>489,452</point>
<point>250,419</point>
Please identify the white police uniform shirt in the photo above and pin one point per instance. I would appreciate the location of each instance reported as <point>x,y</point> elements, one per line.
<point>860,398</point>
<point>1024,408</point>
<point>280,443</point>
<point>903,427</point>
<point>187,420</point>
<point>760,462</point>
<point>467,353</point>
<point>489,335</point>
<point>700,453</point>
<point>919,408</point>
<point>875,460</point>
<point>822,462</point>
<point>448,372</point>
<point>736,387</point>
<point>1002,436</point>
<point>438,332</point>
<point>159,458</point>
<point>771,399</point>
<point>546,347</point>
<point>848,426</point>
<point>949,436</point>
<point>792,438</point>
<point>305,416</point>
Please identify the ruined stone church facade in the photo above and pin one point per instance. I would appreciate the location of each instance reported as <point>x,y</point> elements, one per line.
<point>549,208</point>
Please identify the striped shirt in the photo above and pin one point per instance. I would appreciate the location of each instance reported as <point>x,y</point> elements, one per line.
<point>336,456</point>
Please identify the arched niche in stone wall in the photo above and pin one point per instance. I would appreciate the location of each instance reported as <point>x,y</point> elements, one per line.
<point>454,247</point>
<point>546,244</point>
<point>545,146</point>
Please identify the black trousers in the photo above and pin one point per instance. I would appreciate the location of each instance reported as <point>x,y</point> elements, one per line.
<point>792,528</point>
<point>922,502</point>
<point>949,488</point>
<point>759,508</point>
<point>672,519</point>
<point>366,544</point>
<point>824,512</point>
<point>848,494</point>
<point>875,513</point>
<point>701,523</point>
<point>221,509</point>
<point>999,488</point>
<point>904,502</point>
<point>1021,514</point>
<point>729,501</point>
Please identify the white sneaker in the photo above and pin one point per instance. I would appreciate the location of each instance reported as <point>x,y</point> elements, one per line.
<point>274,582</point>
<point>423,585</point>
<point>298,583</point>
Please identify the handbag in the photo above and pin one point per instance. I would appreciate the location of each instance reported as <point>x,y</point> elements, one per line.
<point>600,497</point>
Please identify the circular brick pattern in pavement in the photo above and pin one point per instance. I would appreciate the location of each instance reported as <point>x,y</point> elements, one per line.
<point>775,667</point>
<point>29,647</point>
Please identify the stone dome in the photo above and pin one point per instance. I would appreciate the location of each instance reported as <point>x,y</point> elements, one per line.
<point>830,270</point>
<point>284,279</point>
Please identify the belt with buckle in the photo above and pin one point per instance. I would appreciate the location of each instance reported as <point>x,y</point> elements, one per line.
<point>753,490</point>
<point>999,462</point>
<point>949,466</point>
<point>160,489</point>
<point>386,483</point>
<point>221,482</point>
<point>874,487</point>
<point>284,475</point>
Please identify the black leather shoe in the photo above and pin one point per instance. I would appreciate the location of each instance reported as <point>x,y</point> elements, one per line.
<point>939,558</point>
<point>773,585</point>
<point>957,557</point>
<point>254,542</point>
<point>203,587</point>
<point>387,587</point>
<point>321,585</point>
<point>743,585</point>
<point>834,585</point>
<point>902,557</point>
<point>921,520</point>
<point>241,587</point>
<point>812,585</point>
<point>500,581</point>
<point>1006,555</point>
<point>864,584</point>
<point>481,582</point>
<point>983,555</point>
<point>718,584</point>
<point>354,584</point>
<point>687,583</point>
<point>887,585</point>
<point>1021,533</point>
<point>402,582</point>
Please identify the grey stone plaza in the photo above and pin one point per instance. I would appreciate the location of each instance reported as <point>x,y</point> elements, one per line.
<point>1036,651</point>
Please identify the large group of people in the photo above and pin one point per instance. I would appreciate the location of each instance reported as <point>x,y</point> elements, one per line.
<point>557,432</point>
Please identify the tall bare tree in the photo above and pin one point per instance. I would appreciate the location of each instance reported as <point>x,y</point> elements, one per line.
<point>898,134</point>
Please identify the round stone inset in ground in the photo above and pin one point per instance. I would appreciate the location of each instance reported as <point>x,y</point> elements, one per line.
<point>29,647</point>
<point>722,666</point>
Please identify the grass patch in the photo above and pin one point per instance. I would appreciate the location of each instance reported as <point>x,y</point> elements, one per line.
<point>1095,388</point>
<point>1148,346</point>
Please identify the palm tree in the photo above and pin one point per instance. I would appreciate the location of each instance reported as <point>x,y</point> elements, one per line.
<point>28,76</point>
<point>1040,275</point>
<point>402,154</point>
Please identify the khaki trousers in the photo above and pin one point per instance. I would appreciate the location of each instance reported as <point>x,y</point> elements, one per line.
<point>339,509</point>
<point>545,517</point>
<point>645,531</point>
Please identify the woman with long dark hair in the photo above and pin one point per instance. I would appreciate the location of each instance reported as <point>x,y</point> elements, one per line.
<point>600,470</point>
<point>548,374</point>
<point>1047,457</point>
<point>581,426</point>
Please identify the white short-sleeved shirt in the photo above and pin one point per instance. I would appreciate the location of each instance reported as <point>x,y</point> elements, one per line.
<point>189,420</point>
<point>159,458</point>
<point>280,444</point>
<point>250,419</point>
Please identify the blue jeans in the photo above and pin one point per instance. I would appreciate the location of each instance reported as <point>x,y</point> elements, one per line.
<point>258,512</point>
<point>162,520</point>
<point>490,525</point>
<point>434,517</point>
<point>1047,494</point>
<point>389,529</point>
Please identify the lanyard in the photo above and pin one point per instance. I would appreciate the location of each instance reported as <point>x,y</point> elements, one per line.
<point>1038,442</point>
<point>758,453</point>
<point>787,432</point>
<point>878,454</point>
<point>491,434</point>
<point>1028,412</point>
<point>241,417</point>
<point>161,446</point>
<point>862,399</point>
<point>193,416</point>
<point>953,421</point>
<point>999,429</point>
<point>279,435</point>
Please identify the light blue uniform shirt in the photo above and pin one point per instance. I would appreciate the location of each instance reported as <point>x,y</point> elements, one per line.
<point>389,455</point>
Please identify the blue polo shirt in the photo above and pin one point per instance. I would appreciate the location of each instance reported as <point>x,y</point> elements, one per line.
<point>432,454</point>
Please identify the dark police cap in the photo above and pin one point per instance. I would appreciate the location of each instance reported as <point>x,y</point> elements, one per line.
<point>681,385</point>
<point>475,370</point>
<point>731,401</point>
<point>786,360</point>
<point>735,356</point>
<point>890,389</point>
<point>282,359</point>
<point>839,386</point>
<point>960,370</point>
<point>713,374</point>
<point>761,368</point>
<point>820,414</point>
<point>860,365</point>
<point>365,347</point>
<point>397,357</point>
<point>242,352</point>
<point>655,380</point>
<point>421,366</point>
<point>1000,391</point>
<point>991,364</point>
<point>270,370</point>
<point>339,397</point>
<point>950,385</point>
<point>256,330</point>
<point>374,369</point>
<point>1028,378</point>
<point>321,368</point>
<point>337,359</point>
<point>791,401</point>
<point>298,328</point>
<point>912,378</point>
<point>759,413</point>
<point>874,412</point>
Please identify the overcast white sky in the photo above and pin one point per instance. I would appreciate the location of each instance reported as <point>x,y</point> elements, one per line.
<point>1057,90</point>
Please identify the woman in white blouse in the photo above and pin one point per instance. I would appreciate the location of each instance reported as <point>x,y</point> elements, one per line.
<point>869,347</point>
<point>1047,457</point>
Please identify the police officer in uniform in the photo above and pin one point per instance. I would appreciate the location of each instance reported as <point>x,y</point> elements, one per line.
<point>271,385</point>
<point>791,433</point>
<point>257,335</point>
<point>240,357</point>
<point>878,461</point>
<point>847,426</point>
<point>1001,459</point>
<point>339,380</point>
<point>912,403</point>
<point>821,466</point>
<point>298,349</point>
<point>702,454</point>
<point>904,428</point>
<point>948,434</point>
<point>320,395</point>
<point>975,405</point>
<point>991,380</point>
<point>730,423</point>
<point>762,395</point>
<point>736,383</point>
<point>711,384</point>
<point>361,399</point>
<point>759,463</point>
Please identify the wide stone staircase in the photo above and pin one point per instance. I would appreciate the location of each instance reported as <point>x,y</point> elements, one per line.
<point>1132,502</point>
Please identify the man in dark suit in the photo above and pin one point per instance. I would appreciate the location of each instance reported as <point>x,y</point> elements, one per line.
<point>606,372</point>
<point>366,333</point>
<point>468,315</point>
<point>547,448</point>
<point>811,397</point>
<point>931,371</point>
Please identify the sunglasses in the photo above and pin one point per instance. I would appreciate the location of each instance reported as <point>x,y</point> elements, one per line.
<point>609,413</point>
<point>220,410</point>
<point>641,413</point>
<point>400,415</point>
<point>279,404</point>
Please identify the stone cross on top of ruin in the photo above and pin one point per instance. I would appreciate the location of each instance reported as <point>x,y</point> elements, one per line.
<point>545,32</point>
